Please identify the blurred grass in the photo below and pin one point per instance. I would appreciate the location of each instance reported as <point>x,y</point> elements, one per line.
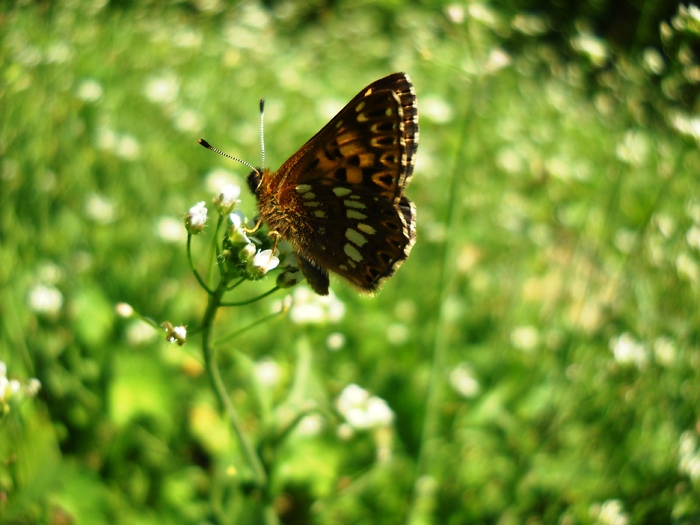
<point>556,269</point>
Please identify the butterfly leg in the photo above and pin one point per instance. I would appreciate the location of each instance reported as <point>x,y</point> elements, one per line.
<point>256,228</point>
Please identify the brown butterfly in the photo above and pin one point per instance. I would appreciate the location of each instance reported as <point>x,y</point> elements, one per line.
<point>339,200</point>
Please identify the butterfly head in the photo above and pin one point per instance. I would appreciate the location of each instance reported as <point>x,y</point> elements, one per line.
<point>254,180</point>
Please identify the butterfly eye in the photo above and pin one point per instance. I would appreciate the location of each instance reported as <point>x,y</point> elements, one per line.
<point>254,180</point>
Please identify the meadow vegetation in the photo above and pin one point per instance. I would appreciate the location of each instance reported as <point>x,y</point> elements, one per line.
<point>534,361</point>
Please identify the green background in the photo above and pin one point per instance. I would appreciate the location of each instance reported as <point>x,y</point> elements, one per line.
<point>539,349</point>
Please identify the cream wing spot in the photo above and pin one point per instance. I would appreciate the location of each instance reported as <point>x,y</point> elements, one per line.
<point>355,237</point>
<point>352,252</point>
<point>366,228</point>
<point>342,192</point>
<point>354,204</point>
<point>354,214</point>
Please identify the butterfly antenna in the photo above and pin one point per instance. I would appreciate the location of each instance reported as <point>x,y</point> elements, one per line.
<point>204,143</point>
<point>262,131</point>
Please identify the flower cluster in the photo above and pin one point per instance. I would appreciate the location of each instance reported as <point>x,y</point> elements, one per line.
<point>12,390</point>
<point>246,251</point>
<point>363,411</point>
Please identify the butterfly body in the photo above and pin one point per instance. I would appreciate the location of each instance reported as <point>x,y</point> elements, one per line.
<point>339,200</point>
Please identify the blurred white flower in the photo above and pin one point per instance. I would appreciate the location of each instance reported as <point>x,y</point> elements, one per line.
<point>162,89</point>
<point>634,148</point>
<point>686,124</point>
<point>464,382</point>
<point>530,24</point>
<point>455,13</point>
<point>311,425</point>
<point>397,334</point>
<point>268,372</point>
<point>219,178</point>
<point>128,147</point>
<point>46,300</point>
<point>592,47</point>
<point>692,237</point>
<point>335,341</point>
<point>169,229</point>
<point>363,411</point>
<point>124,310</point>
<point>498,59</point>
<point>653,61</point>
<point>687,268</point>
<point>689,456</point>
<point>100,209</point>
<point>664,351</point>
<point>139,332</point>
<point>90,90</point>
<point>59,53</point>
<point>611,512</point>
<point>32,387</point>
<point>627,351</point>
<point>189,120</point>
<point>525,338</point>
<point>310,308</point>
<point>436,109</point>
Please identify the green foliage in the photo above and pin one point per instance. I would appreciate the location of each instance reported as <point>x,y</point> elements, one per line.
<point>538,352</point>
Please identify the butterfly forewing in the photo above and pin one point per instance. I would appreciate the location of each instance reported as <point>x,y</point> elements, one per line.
<point>339,199</point>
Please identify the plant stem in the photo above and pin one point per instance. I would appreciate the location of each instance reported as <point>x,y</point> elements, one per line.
<point>217,384</point>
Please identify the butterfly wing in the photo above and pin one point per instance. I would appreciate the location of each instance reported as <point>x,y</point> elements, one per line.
<point>342,192</point>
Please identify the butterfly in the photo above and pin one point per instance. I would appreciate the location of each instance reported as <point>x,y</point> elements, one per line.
<point>339,199</point>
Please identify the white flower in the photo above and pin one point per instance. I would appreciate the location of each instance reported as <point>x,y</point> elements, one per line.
<point>268,372</point>
<point>525,338</point>
<point>310,308</point>
<point>263,262</point>
<point>335,341</point>
<point>196,218</point>
<point>611,512</point>
<point>127,147</point>
<point>363,411</point>
<point>45,300</point>
<point>162,89</point>
<point>90,90</point>
<point>627,351</point>
<point>100,209</point>
<point>169,229</point>
<point>689,456</point>
<point>463,381</point>
<point>692,237</point>
<point>124,310</point>
<point>592,47</point>
<point>247,252</point>
<point>664,351</point>
<point>175,334</point>
<point>227,198</point>
<point>236,231</point>
<point>33,386</point>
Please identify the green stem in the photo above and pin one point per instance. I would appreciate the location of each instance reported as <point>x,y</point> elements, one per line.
<point>253,300</point>
<point>194,269</point>
<point>217,384</point>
